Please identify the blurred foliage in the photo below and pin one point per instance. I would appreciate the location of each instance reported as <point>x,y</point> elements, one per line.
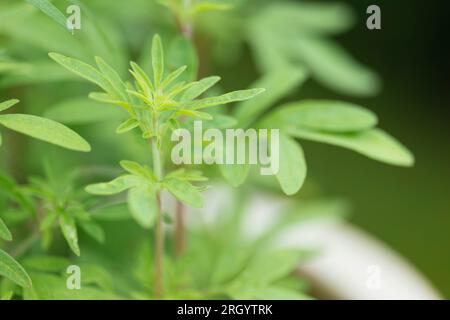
<point>286,41</point>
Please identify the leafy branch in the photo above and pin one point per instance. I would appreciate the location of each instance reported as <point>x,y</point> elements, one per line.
<point>156,105</point>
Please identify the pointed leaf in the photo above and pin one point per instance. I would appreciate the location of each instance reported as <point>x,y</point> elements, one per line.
<point>69,230</point>
<point>115,186</point>
<point>334,67</point>
<point>199,88</point>
<point>113,77</point>
<point>46,130</point>
<point>5,234</point>
<point>172,77</point>
<point>325,115</point>
<point>157,60</point>
<point>127,125</point>
<point>50,10</point>
<point>8,104</point>
<point>12,270</point>
<point>374,143</point>
<point>142,79</point>
<point>83,70</point>
<point>234,96</point>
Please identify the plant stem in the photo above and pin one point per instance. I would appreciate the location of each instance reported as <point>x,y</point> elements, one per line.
<point>179,232</point>
<point>179,228</point>
<point>187,27</point>
<point>159,231</point>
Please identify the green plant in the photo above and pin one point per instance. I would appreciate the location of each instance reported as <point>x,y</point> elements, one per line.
<point>155,107</point>
<point>150,106</point>
<point>46,130</point>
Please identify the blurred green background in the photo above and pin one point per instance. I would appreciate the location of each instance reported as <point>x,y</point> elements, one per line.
<point>409,209</point>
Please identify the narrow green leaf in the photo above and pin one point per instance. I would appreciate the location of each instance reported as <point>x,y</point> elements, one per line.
<point>177,89</point>
<point>375,144</point>
<point>307,17</point>
<point>83,70</point>
<point>106,98</point>
<point>292,165</point>
<point>143,205</point>
<point>172,77</point>
<point>8,104</point>
<point>5,234</point>
<point>69,230</point>
<point>12,270</point>
<point>113,77</point>
<point>325,115</point>
<point>281,82</point>
<point>142,79</point>
<point>157,60</point>
<point>115,186</point>
<point>184,191</point>
<point>240,95</point>
<point>127,125</point>
<point>50,10</point>
<point>334,67</point>
<point>199,88</point>
<point>46,130</point>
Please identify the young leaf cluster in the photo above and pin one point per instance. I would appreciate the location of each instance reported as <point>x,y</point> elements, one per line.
<point>156,105</point>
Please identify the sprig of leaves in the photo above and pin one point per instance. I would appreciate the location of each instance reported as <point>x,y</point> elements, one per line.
<point>154,104</point>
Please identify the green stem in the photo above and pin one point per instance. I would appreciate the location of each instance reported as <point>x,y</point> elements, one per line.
<point>179,235</point>
<point>159,231</point>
